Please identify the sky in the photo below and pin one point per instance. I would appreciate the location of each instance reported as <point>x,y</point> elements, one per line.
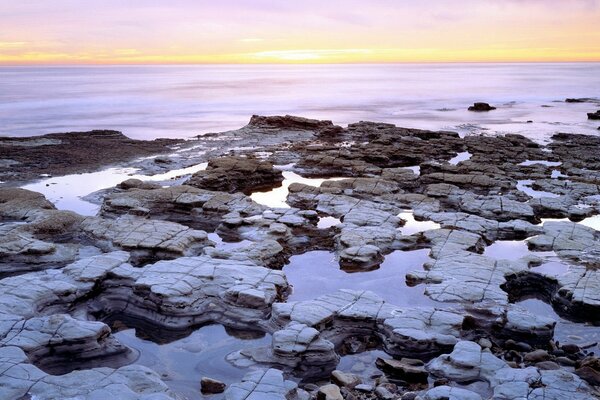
<point>303,31</point>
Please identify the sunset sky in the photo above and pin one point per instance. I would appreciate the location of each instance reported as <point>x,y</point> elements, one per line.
<point>278,31</point>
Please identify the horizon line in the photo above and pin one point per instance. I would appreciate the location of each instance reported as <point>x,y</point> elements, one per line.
<point>96,64</point>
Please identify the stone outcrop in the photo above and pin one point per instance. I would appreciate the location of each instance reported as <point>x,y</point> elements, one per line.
<point>21,380</point>
<point>468,363</point>
<point>237,174</point>
<point>171,257</point>
<point>481,107</point>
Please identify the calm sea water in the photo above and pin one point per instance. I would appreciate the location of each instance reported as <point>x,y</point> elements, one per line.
<point>182,101</point>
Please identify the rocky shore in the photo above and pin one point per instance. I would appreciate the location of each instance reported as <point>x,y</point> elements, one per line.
<point>205,248</point>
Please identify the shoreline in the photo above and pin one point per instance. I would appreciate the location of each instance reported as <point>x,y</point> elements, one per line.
<point>180,253</point>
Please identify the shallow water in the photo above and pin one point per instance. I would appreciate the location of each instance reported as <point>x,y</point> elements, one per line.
<point>276,198</point>
<point>592,222</point>
<point>317,273</point>
<point>514,250</point>
<point>413,226</point>
<point>363,364</point>
<point>182,101</point>
<point>524,186</point>
<point>460,157</point>
<point>182,363</point>
<point>565,331</point>
<point>328,222</point>
<point>542,162</point>
<point>66,192</point>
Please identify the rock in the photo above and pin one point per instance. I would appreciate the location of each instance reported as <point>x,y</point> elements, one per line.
<point>589,370</point>
<point>263,385</point>
<point>344,379</point>
<point>485,343</point>
<point>364,388</point>
<point>594,115</point>
<point>547,365</point>
<point>59,154</point>
<point>21,380</point>
<point>468,363</point>
<point>133,183</point>
<point>361,257</point>
<point>148,240</point>
<point>329,392</point>
<point>211,386</point>
<point>580,100</point>
<point>481,107</point>
<point>404,370</point>
<point>565,361</point>
<point>237,174</point>
<point>450,393</point>
<point>384,393</point>
<point>290,122</point>
<point>537,356</point>
<point>519,346</point>
<point>570,348</point>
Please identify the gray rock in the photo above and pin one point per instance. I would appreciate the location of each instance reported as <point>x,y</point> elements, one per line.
<point>262,385</point>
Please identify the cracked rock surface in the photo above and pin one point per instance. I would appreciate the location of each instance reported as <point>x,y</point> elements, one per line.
<point>514,222</point>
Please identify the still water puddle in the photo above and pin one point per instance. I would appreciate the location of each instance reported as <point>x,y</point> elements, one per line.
<point>317,273</point>
<point>223,245</point>
<point>555,174</point>
<point>592,222</point>
<point>514,250</point>
<point>413,226</point>
<point>525,186</point>
<point>66,192</point>
<point>565,331</point>
<point>542,162</point>
<point>460,157</point>
<point>276,198</point>
<point>182,363</point>
<point>328,222</point>
<point>363,364</point>
<point>416,169</point>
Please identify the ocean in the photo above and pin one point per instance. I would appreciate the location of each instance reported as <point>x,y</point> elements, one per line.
<point>147,102</point>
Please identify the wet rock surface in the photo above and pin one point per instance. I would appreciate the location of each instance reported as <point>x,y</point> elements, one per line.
<point>513,220</point>
<point>74,152</point>
<point>481,107</point>
<point>237,174</point>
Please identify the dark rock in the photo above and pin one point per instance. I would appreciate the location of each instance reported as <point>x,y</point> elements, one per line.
<point>570,348</point>
<point>289,122</point>
<point>547,365</point>
<point>537,356</point>
<point>211,386</point>
<point>137,184</point>
<point>73,153</point>
<point>404,369</point>
<point>519,346</point>
<point>481,107</point>
<point>594,116</point>
<point>581,100</point>
<point>589,370</point>
<point>237,174</point>
<point>566,361</point>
